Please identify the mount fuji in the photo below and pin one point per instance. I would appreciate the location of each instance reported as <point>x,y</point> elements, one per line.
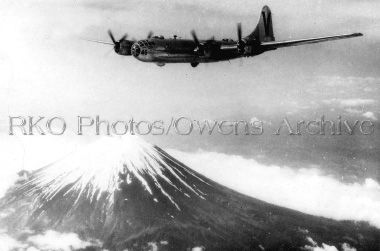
<point>130,195</point>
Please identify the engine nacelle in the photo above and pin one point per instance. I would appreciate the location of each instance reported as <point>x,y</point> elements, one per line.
<point>124,47</point>
<point>252,48</point>
<point>211,49</point>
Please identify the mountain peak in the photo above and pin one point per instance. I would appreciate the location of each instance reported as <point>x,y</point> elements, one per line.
<point>100,168</point>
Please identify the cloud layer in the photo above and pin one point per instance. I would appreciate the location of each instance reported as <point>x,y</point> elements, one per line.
<point>49,240</point>
<point>307,190</point>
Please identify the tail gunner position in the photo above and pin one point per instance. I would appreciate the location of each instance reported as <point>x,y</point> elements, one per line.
<point>160,50</point>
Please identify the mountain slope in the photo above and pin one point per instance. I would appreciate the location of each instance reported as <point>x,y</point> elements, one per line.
<point>132,195</point>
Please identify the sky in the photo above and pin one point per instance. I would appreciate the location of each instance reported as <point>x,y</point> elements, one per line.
<point>47,69</point>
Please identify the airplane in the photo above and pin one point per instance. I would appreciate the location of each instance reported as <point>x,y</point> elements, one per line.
<point>160,50</point>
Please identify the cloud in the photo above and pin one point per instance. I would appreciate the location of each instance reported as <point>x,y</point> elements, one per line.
<point>305,190</point>
<point>198,248</point>
<point>356,102</point>
<point>314,246</point>
<point>370,115</point>
<point>354,110</point>
<point>347,82</point>
<point>324,247</point>
<point>7,243</point>
<point>357,111</point>
<point>347,247</point>
<point>52,240</point>
<point>350,102</point>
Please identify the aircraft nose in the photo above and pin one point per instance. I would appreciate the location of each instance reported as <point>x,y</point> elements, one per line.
<point>136,50</point>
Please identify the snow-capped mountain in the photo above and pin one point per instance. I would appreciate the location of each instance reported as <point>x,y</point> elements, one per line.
<point>132,195</point>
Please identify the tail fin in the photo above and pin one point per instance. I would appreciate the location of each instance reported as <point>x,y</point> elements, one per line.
<point>264,29</point>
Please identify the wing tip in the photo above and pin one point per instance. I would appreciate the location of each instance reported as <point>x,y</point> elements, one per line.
<point>358,34</point>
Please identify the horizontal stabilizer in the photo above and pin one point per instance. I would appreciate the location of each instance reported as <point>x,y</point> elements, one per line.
<point>280,44</point>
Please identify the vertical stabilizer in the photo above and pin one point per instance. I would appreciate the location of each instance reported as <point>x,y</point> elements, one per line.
<point>264,29</point>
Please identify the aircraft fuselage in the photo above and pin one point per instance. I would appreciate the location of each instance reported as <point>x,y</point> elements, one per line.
<point>161,51</point>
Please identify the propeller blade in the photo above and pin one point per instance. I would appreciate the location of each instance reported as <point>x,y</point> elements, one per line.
<point>150,34</point>
<point>239,31</point>
<point>123,37</point>
<point>111,36</point>
<point>195,37</point>
<point>240,43</point>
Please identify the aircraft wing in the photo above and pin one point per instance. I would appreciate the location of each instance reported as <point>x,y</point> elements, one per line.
<point>280,44</point>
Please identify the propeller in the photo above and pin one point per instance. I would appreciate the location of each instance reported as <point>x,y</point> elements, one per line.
<point>204,48</point>
<point>125,50</point>
<point>199,48</point>
<point>150,34</point>
<point>115,42</point>
<point>241,42</point>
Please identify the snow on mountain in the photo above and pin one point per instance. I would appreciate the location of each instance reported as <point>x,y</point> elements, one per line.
<point>99,168</point>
